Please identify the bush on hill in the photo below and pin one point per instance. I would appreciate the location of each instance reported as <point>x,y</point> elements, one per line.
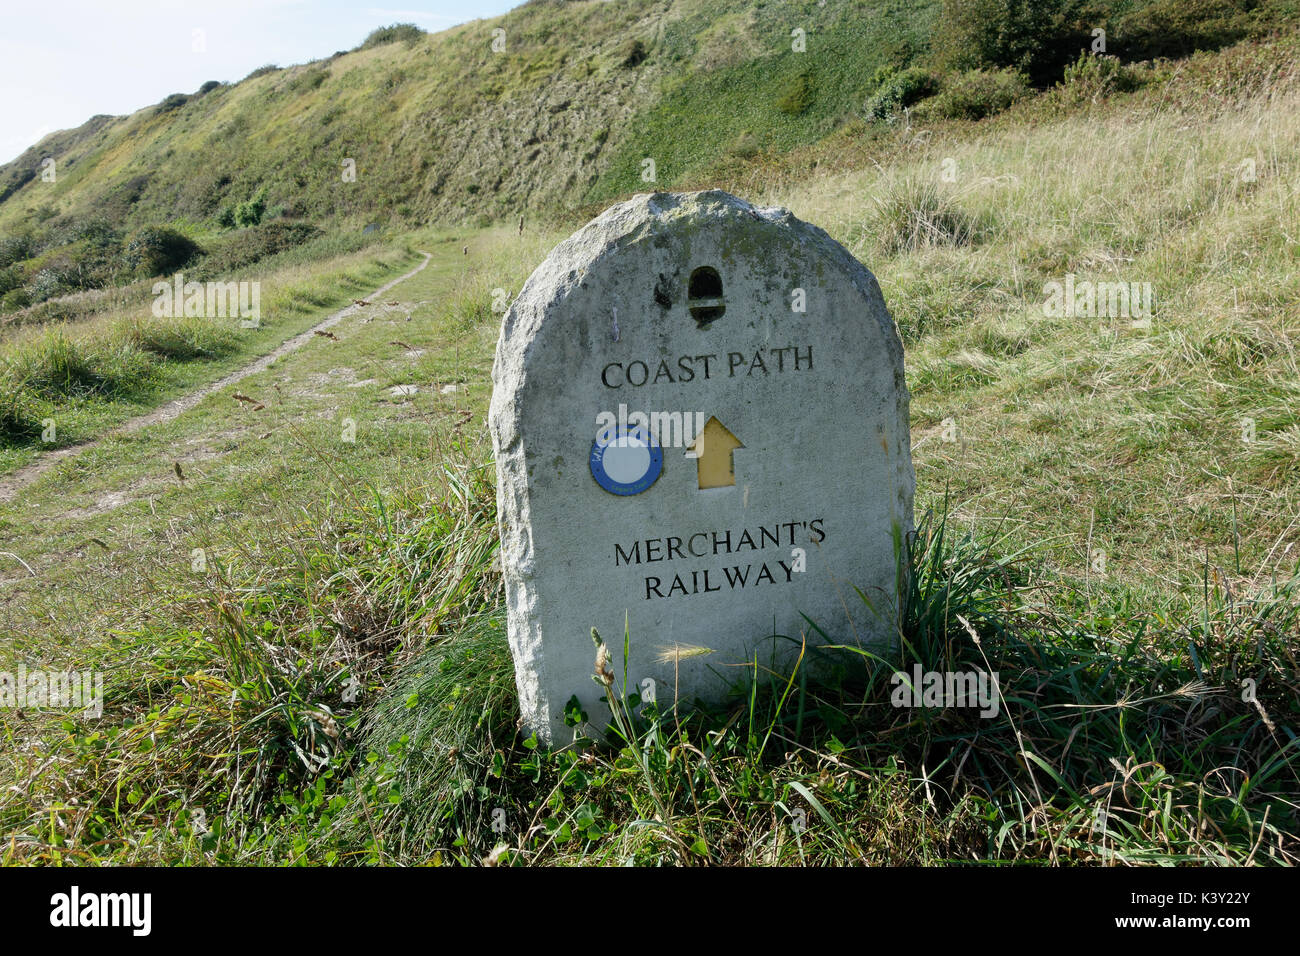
<point>1177,28</point>
<point>976,94</point>
<point>900,90</point>
<point>1035,37</point>
<point>261,71</point>
<point>1096,77</point>
<point>155,250</point>
<point>250,213</point>
<point>254,244</point>
<point>173,102</point>
<point>392,33</point>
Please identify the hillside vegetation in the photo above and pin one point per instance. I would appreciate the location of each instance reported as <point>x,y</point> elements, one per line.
<point>292,589</point>
<point>552,110</point>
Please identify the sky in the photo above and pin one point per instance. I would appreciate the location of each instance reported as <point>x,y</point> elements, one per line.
<point>64,61</point>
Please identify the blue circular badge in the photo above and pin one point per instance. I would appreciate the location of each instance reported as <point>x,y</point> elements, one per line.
<point>626,461</point>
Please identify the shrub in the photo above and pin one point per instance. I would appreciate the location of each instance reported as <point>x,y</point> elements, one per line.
<point>976,94</point>
<point>1094,77</point>
<point>201,196</point>
<point>80,255</point>
<point>91,263</point>
<point>392,34</point>
<point>798,96</point>
<point>15,299</point>
<point>130,190</point>
<point>882,75</point>
<point>275,237</point>
<point>914,214</point>
<point>226,218</point>
<point>18,179</point>
<point>155,250</point>
<point>634,54</point>
<point>250,213</point>
<point>47,283</point>
<point>96,232</point>
<point>900,90</point>
<point>261,71</point>
<point>15,249</point>
<point>1176,28</point>
<point>898,52</point>
<point>208,87</point>
<point>1036,37</point>
<point>254,244</point>
<point>308,80</point>
<point>173,102</point>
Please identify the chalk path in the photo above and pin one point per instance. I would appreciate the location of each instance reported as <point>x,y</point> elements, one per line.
<point>12,483</point>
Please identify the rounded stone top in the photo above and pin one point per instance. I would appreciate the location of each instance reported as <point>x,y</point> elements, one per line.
<point>635,238</point>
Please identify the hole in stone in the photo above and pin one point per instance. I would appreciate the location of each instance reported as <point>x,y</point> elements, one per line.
<point>706,283</point>
<point>704,293</point>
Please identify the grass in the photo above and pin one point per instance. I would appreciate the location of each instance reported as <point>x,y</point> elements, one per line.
<point>304,637</point>
<point>1123,743</point>
<point>94,372</point>
<point>918,214</point>
<point>1064,424</point>
<point>716,109</point>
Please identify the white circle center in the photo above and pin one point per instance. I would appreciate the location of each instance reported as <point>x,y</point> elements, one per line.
<point>626,460</point>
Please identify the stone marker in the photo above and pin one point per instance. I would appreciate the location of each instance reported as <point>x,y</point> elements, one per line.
<point>701,428</point>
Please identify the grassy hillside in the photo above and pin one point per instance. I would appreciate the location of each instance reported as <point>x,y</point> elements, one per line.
<point>439,126</point>
<point>548,111</point>
<point>291,587</point>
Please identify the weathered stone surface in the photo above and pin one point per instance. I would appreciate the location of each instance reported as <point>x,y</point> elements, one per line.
<point>805,461</point>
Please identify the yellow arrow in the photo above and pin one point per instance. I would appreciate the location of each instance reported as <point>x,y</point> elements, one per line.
<point>712,452</point>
